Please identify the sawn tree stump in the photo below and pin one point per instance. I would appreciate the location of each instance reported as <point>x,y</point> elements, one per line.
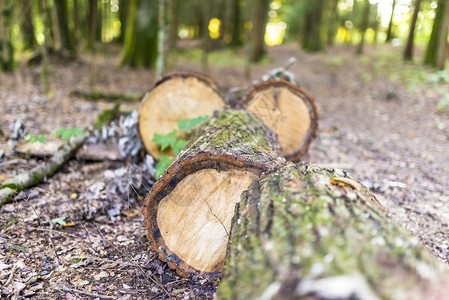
<point>308,233</point>
<point>189,210</point>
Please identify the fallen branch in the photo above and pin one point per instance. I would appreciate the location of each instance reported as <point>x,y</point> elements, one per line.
<point>94,295</point>
<point>11,187</point>
<point>95,95</point>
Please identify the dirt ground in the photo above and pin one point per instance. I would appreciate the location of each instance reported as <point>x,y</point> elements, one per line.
<point>389,138</point>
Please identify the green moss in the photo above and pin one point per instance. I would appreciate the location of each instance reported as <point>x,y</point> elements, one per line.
<point>12,186</point>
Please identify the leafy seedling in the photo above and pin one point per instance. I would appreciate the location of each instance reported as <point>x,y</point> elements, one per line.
<point>32,138</point>
<point>162,165</point>
<point>67,133</point>
<point>165,140</point>
<point>188,124</point>
<point>59,221</point>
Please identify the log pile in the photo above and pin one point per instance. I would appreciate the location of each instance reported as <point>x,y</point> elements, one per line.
<point>299,232</point>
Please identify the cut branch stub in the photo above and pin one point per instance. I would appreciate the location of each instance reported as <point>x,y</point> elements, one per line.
<point>175,97</point>
<point>287,110</point>
<point>189,210</point>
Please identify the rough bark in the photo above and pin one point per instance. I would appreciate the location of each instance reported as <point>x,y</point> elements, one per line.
<point>287,110</point>
<point>189,210</point>
<point>177,96</point>
<point>309,233</point>
<point>408,52</point>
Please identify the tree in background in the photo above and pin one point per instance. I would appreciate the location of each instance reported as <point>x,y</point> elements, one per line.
<point>26,24</point>
<point>234,23</point>
<point>258,32</point>
<point>65,33</point>
<point>430,57</point>
<point>311,37</point>
<point>364,25</point>
<point>390,24</point>
<point>408,52</point>
<point>140,48</point>
<point>7,62</point>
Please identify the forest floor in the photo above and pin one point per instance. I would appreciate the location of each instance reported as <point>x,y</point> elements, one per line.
<point>378,120</point>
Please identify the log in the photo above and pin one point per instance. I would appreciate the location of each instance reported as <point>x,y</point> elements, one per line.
<point>287,110</point>
<point>95,95</point>
<point>189,210</point>
<point>304,232</point>
<point>177,96</point>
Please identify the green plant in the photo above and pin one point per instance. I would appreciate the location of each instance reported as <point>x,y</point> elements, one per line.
<point>67,133</point>
<point>174,141</point>
<point>35,138</point>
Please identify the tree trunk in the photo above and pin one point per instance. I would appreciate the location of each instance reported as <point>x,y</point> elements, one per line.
<point>92,23</point>
<point>235,23</point>
<point>364,26</point>
<point>408,53</point>
<point>7,62</point>
<point>311,39</point>
<point>76,22</point>
<point>390,24</point>
<point>206,11</point>
<point>304,232</point>
<point>175,97</point>
<point>140,48</point>
<point>287,110</point>
<point>27,26</point>
<point>430,57</point>
<point>174,23</point>
<point>258,34</point>
<point>442,45</point>
<point>123,13</point>
<point>162,38</point>
<point>332,24</point>
<point>189,210</point>
<point>63,22</point>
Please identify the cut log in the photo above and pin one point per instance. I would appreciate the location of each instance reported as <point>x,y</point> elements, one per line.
<point>175,97</point>
<point>287,110</point>
<point>309,233</point>
<point>189,209</point>
<point>96,95</point>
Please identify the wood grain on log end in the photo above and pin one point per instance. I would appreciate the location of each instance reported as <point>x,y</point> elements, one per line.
<point>189,210</point>
<point>288,110</point>
<point>177,96</point>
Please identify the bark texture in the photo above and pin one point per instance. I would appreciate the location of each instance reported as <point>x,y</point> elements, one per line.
<point>232,141</point>
<point>309,233</point>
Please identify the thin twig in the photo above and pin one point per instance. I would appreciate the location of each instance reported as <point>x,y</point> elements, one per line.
<point>94,295</point>
<point>11,275</point>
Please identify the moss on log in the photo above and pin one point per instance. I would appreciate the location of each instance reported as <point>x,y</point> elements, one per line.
<point>11,187</point>
<point>309,233</point>
<point>189,210</point>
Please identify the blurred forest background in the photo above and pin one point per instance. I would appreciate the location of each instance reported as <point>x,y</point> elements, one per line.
<point>146,28</point>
